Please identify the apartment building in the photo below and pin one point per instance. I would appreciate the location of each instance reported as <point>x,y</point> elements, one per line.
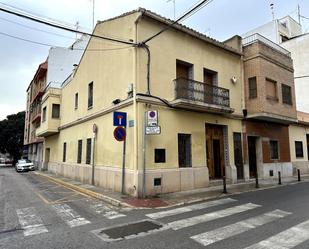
<point>192,82</point>
<point>57,67</point>
<point>287,32</point>
<point>270,107</point>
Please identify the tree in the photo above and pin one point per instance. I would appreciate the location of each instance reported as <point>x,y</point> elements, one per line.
<point>12,135</point>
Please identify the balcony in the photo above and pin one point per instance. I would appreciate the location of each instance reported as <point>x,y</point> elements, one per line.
<point>194,95</point>
<point>49,125</point>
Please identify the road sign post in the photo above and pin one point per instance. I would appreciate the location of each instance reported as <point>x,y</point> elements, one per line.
<point>120,120</point>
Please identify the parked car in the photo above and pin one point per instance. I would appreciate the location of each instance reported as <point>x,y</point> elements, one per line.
<point>24,165</point>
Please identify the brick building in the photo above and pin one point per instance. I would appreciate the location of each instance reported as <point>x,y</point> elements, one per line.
<point>269,108</point>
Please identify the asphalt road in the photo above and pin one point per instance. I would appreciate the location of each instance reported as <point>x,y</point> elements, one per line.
<point>36,213</point>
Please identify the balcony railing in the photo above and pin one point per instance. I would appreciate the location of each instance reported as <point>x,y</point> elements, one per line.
<point>257,37</point>
<point>202,92</point>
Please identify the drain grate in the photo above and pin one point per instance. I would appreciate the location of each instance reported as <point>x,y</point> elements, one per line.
<point>129,230</point>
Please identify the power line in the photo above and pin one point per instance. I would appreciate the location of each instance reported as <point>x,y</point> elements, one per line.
<point>50,45</point>
<point>299,77</point>
<point>33,28</point>
<point>38,15</point>
<point>186,15</point>
<point>65,28</point>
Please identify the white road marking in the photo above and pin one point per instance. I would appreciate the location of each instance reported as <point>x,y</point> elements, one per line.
<point>190,208</point>
<point>113,215</point>
<point>179,224</point>
<point>286,239</point>
<point>238,228</point>
<point>30,222</point>
<point>71,217</point>
<point>107,212</point>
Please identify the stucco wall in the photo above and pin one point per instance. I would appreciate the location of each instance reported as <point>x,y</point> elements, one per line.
<point>175,45</point>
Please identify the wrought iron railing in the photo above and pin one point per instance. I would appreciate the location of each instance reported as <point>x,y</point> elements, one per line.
<point>199,91</point>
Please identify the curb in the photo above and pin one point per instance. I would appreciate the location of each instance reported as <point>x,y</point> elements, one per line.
<point>88,192</point>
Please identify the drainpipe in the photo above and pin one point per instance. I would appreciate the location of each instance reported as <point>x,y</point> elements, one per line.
<point>147,50</point>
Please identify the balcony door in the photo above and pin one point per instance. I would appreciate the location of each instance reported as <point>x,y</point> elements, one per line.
<point>184,73</point>
<point>210,79</point>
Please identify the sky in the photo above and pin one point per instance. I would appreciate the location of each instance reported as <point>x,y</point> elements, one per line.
<point>220,19</point>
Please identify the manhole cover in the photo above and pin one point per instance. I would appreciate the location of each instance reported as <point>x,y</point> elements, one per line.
<point>129,230</point>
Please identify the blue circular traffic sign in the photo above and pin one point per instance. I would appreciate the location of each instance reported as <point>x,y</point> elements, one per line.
<point>120,133</point>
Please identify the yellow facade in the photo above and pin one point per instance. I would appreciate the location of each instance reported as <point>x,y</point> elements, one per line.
<point>113,70</point>
<point>299,133</point>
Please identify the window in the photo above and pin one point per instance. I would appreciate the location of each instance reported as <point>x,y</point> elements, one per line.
<point>79,151</point>
<point>274,149</point>
<point>88,151</point>
<point>90,95</point>
<point>299,149</point>
<point>44,114</point>
<point>286,94</point>
<point>184,150</point>
<point>252,88</point>
<point>76,100</point>
<point>159,155</point>
<point>271,89</point>
<point>56,111</point>
<point>157,181</point>
<point>64,152</point>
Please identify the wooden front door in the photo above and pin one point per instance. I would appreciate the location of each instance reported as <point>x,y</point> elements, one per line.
<point>252,156</point>
<point>215,151</point>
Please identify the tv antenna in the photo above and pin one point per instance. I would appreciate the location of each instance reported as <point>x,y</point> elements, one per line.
<point>272,10</point>
<point>174,3</point>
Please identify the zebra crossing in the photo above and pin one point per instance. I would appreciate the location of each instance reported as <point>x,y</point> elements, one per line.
<point>32,224</point>
<point>287,239</point>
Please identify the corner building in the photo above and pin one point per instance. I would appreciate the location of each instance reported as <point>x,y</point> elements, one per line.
<point>195,84</point>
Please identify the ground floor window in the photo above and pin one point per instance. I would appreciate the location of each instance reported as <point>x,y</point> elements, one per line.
<point>299,149</point>
<point>88,151</point>
<point>79,151</point>
<point>274,149</point>
<point>184,150</point>
<point>64,152</point>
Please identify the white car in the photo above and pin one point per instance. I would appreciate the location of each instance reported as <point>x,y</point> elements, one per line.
<point>24,165</point>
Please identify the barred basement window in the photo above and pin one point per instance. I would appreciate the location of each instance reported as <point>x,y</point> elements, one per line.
<point>79,151</point>
<point>252,88</point>
<point>299,149</point>
<point>88,151</point>
<point>286,94</point>
<point>274,150</point>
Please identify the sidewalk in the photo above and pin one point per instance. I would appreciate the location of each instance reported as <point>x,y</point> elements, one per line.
<point>166,200</point>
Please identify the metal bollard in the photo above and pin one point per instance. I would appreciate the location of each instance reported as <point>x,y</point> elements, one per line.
<point>257,181</point>
<point>298,174</point>
<point>279,178</point>
<point>224,185</point>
